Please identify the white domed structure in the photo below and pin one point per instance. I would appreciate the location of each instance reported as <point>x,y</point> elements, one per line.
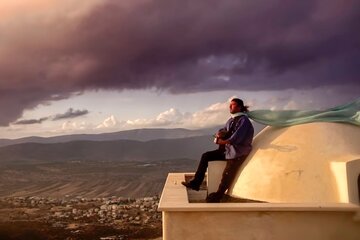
<point>308,176</point>
<point>315,162</point>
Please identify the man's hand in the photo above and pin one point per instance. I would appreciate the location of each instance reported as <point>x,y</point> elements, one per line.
<point>221,134</point>
<point>222,142</point>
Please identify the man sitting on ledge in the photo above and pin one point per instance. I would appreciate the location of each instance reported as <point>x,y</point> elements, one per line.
<point>234,142</point>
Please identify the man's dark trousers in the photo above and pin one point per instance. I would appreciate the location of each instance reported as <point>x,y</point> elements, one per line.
<point>232,166</point>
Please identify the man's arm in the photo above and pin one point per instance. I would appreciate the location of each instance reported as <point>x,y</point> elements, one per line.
<point>239,133</point>
<point>220,133</point>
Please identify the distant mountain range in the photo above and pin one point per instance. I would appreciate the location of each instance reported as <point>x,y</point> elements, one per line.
<point>107,151</point>
<point>133,145</point>
<point>146,134</point>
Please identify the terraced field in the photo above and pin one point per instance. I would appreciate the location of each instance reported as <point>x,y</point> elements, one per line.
<point>90,179</point>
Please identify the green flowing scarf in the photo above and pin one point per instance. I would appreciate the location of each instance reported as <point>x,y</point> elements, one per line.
<point>347,113</point>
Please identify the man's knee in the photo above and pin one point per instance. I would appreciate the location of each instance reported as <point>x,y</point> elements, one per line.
<point>206,156</point>
<point>213,155</point>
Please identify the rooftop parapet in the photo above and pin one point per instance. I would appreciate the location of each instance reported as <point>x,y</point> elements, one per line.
<point>307,177</point>
<point>281,221</point>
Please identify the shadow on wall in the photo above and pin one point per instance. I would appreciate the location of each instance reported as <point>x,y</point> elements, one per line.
<point>266,141</point>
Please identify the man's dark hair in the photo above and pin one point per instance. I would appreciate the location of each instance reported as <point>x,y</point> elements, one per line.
<point>240,103</point>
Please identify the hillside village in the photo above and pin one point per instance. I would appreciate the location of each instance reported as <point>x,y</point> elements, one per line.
<point>77,217</point>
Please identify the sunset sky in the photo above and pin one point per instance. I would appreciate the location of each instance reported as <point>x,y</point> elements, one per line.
<point>76,66</point>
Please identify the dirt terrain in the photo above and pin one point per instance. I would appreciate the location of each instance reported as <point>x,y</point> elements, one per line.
<point>38,199</point>
<point>90,179</point>
<point>30,230</point>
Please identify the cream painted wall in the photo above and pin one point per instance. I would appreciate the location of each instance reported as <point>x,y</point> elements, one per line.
<point>260,225</point>
<point>301,163</point>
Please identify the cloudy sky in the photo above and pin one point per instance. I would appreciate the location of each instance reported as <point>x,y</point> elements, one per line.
<point>76,66</point>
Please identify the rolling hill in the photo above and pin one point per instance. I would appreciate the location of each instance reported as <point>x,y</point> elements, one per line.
<point>136,165</point>
<point>109,151</point>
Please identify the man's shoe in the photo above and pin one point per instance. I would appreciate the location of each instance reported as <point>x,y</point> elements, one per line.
<point>191,185</point>
<point>214,197</point>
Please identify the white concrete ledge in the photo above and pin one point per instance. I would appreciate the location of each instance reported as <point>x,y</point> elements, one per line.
<point>175,198</point>
<point>214,175</point>
<point>262,221</point>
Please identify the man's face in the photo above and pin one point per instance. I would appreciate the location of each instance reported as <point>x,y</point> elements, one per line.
<point>234,108</point>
